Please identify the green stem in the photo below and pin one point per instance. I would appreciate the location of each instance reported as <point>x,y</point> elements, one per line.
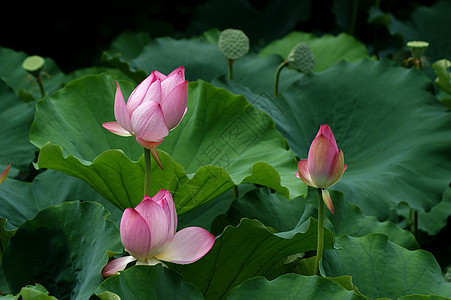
<point>355,10</point>
<point>147,170</point>
<point>235,192</point>
<point>413,220</point>
<point>415,224</point>
<point>38,79</point>
<point>230,68</point>
<point>320,246</point>
<point>410,219</point>
<point>276,79</point>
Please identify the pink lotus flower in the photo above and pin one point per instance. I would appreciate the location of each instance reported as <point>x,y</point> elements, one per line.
<point>4,174</point>
<point>324,165</point>
<point>148,233</point>
<point>156,106</point>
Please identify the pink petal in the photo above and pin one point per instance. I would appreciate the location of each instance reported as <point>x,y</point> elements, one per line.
<point>327,200</point>
<point>321,159</point>
<point>116,128</point>
<point>137,96</point>
<point>148,122</point>
<point>188,245</point>
<point>4,174</point>
<point>148,144</point>
<point>174,105</point>
<point>135,233</point>
<point>174,79</point>
<point>179,70</point>
<point>164,199</point>
<point>159,75</point>
<point>154,93</point>
<point>120,110</point>
<point>160,195</point>
<point>157,221</point>
<point>156,157</point>
<point>303,173</point>
<point>327,132</point>
<point>337,170</point>
<point>116,265</point>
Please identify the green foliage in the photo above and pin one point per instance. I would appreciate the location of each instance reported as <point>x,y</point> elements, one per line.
<point>328,50</point>
<point>143,282</point>
<point>293,286</point>
<point>380,268</point>
<point>235,144</point>
<point>246,251</point>
<point>231,163</point>
<point>63,248</point>
<point>383,132</point>
<point>32,292</point>
<point>414,28</point>
<point>16,117</point>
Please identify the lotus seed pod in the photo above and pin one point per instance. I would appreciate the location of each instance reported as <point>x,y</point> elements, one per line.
<point>33,64</point>
<point>233,43</point>
<point>417,48</point>
<point>301,58</point>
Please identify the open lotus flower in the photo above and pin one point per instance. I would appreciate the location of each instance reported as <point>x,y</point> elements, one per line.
<point>148,233</point>
<point>4,174</point>
<point>324,165</point>
<point>156,106</point>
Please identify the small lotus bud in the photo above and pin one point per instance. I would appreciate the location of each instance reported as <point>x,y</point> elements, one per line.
<point>301,58</point>
<point>233,43</point>
<point>33,64</point>
<point>443,80</point>
<point>417,48</point>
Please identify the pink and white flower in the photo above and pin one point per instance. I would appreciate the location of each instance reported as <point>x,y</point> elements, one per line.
<point>148,233</point>
<point>154,108</point>
<point>324,165</point>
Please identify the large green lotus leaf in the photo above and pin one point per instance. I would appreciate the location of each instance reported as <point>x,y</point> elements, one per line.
<point>31,292</point>
<point>327,49</point>
<point>292,286</point>
<point>274,211</point>
<point>123,49</point>
<point>24,84</point>
<point>201,60</point>
<point>348,219</point>
<point>436,219</point>
<point>222,141</point>
<point>16,118</point>
<point>423,297</point>
<point>380,268</point>
<point>249,250</point>
<point>394,134</point>
<point>63,248</point>
<point>20,201</point>
<point>119,179</point>
<point>425,24</point>
<point>432,221</point>
<point>116,72</point>
<point>144,282</point>
<point>204,215</point>
<point>5,235</point>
